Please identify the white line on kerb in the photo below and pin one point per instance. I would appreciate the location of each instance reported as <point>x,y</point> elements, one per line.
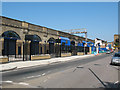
<point>36,76</point>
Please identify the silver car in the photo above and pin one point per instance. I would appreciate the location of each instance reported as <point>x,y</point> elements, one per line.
<point>116,59</point>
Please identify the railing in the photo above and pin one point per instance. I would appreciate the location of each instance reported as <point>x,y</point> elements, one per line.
<point>25,50</point>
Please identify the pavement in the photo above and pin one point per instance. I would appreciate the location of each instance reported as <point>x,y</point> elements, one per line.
<point>25,64</point>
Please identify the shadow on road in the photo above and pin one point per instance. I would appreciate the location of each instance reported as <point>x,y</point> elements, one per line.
<point>112,85</point>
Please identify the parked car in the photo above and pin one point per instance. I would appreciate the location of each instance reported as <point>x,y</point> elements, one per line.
<point>115,59</point>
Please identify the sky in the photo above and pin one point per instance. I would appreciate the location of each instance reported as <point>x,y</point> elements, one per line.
<point>99,18</point>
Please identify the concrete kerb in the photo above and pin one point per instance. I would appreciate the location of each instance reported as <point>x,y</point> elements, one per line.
<point>8,68</point>
<point>21,64</point>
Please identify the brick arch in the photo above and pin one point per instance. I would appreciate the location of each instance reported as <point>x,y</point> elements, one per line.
<point>51,40</point>
<point>72,42</point>
<point>37,37</point>
<point>10,34</point>
<point>33,37</point>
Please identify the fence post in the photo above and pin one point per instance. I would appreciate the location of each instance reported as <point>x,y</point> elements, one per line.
<point>60,49</point>
<point>30,51</point>
<point>15,48</point>
<point>8,48</point>
<point>23,51</point>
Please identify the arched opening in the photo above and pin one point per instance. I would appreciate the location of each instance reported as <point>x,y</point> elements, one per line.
<point>33,38</point>
<point>73,43</point>
<point>51,40</point>
<point>10,38</point>
<point>10,34</point>
<point>73,48</point>
<point>51,45</point>
<point>80,47</point>
<point>34,45</point>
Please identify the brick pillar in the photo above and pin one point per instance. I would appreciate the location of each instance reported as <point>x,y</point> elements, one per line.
<point>90,50</point>
<point>19,43</point>
<point>1,45</point>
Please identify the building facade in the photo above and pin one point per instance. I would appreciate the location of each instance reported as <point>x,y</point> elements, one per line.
<point>20,37</point>
<point>116,38</point>
<point>117,41</point>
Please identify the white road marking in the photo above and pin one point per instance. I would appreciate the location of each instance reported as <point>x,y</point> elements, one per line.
<point>38,75</point>
<point>34,76</point>
<point>30,77</point>
<point>8,81</point>
<point>22,83</point>
<point>116,82</point>
<point>43,74</point>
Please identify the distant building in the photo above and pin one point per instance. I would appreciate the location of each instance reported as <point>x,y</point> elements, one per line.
<point>117,41</point>
<point>110,45</point>
<point>21,40</point>
<point>100,45</point>
<point>103,43</point>
<point>116,38</point>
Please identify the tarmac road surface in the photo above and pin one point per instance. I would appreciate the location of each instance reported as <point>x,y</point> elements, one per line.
<point>92,72</point>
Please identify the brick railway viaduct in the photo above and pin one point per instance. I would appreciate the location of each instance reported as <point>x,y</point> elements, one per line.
<point>21,29</point>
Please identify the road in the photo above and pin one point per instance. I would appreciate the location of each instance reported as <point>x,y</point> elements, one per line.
<point>92,72</point>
